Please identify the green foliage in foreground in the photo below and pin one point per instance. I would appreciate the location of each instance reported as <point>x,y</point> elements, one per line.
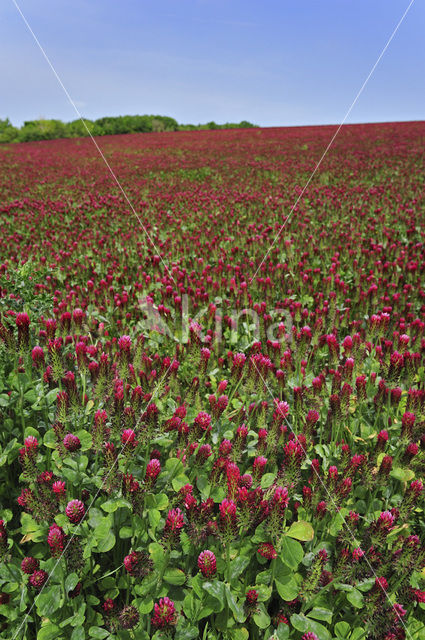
<point>49,129</point>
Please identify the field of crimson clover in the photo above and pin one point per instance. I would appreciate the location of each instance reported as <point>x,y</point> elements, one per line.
<point>191,449</point>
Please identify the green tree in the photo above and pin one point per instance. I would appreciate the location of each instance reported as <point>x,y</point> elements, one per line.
<point>42,130</point>
<point>8,133</point>
<point>76,128</point>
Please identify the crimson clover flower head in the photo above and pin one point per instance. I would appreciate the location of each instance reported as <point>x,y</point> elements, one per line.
<point>349,364</point>
<point>153,469</point>
<point>332,342</point>
<point>24,499</point>
<point>181,411</point>
<point>138,564</point>
<point>243,495</point>
<point>175,521</point>
<point>227,509</point>
<point>29,452</point>
<point>37,355</point>
<point>312,417</point>
<point>251,597</point>
<point>242,433</point>
<point>345,450</point>
<point>357,461</point>
<point>31,442</point>
<point>78,315</point>
<point>109,448</point>
<point>358,554</point>
<point>190,502</point>
<point>51,325</point>
<point>205,354</point>
<point>232,471</point>
<point>415,488</point>
<point>383,436</point>
<point>29,565</point>
<point>417,595</point>
<point>407,422</point>
<point>326,577</point>
<point>352,518</point>
<point>128,438</point>
<point>386,465</point>
<point>56,540</point>
<point>225,447</point>
<point>307,494</point>
<point>281,409</point>
<point>381,584</point>
<point>130,562</point>
<point>267,550</point>
<point>280,497</point>
<point>246,480</point>
<point>396,394</point>
<point>345,487</point>
<point>398,610</point>
<point>65,320</point>
<point>309,636</point>
<point>203,453</point>
<point>317,383</point>
<point>71,442</point>
<point>385,520</point>
<point>80,351</point>
<point>262,435</point>
<point>100,417</point>
<point>315,466</point>
<point>129,484</point>
<point>222,386</point>
<point>45,478</point>
<point>207,563</point>
<point>165,614</point>
<point>221,404</point>
<point>322,556</point>
<point>75,511</point>
<point>281,618</point>
<point>22,320</point>
<point>239,360</point>
<point>129,617</point>
<point>55,345</point>
<point>344,554</point>
<point>203,421</point>
<point>258,466</point>
<point>185,490</point>
<point>108,606</point>
<point>333,473</point>
<point>411,450</point>
<point>38,579</point>
<point>321,509</point>
<point>408,419</point>
<point>412,541</point>
<point>124,344</point>
<point>48,374</point>
<point>294,451</point>
<point>58,488</point>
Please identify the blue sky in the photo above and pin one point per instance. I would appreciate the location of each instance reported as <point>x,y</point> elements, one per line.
<point>275,62</point>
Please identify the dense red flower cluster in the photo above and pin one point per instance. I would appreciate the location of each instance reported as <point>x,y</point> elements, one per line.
<point>213,397</point>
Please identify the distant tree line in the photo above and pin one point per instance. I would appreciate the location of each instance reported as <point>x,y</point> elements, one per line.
<point>49,129</point>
